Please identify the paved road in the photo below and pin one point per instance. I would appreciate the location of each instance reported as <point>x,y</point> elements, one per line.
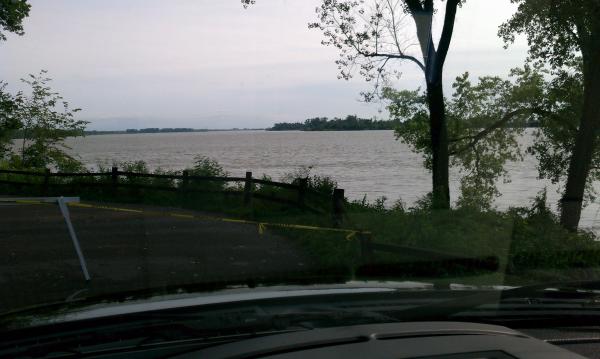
<point>127,251</point>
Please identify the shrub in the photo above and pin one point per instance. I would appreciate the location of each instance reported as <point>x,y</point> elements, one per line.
<point>318,183</point>
<point>322,184</point>
<point>205,166</point>
<point>133,166</point>
<point>423,204</point>
<point>539,242</point>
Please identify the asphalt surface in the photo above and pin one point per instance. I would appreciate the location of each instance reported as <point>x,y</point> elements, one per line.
<point>129,251</point>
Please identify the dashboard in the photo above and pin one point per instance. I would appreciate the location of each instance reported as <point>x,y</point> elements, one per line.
<point>440,340</point>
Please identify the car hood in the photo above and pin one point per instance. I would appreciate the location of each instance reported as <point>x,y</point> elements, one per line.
<point>132,305</point>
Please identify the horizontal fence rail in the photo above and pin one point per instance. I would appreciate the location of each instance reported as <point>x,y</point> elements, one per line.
<point>185,183</point>
<point>84,174</point>
<point>178,177</point>
<point>275,184</point>
<point>27,173</point>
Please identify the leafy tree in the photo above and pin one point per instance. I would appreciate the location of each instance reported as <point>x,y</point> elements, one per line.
<point>561,33</point>
<point>485,120</point>
<point>12,13</point>
<point>555,138</point>
<point>45,120</point>
<point>372,35</point>
<point>9,122</point>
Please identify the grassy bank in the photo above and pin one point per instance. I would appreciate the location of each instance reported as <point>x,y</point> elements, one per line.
<point>529,243</point>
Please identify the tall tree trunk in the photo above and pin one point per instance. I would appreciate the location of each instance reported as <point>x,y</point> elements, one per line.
<point>439,145</point>
<point>585,143</point>
<point>422,13</point>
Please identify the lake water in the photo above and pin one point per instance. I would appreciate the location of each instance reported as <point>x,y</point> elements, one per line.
<point>368,163</point>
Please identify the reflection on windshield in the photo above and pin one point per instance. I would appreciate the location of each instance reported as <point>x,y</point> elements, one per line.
<point>159,150</point>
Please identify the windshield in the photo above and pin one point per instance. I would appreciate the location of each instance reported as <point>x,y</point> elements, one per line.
<point>158,148</point>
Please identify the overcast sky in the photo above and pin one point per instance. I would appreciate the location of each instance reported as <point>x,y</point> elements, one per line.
<point>212,64</point>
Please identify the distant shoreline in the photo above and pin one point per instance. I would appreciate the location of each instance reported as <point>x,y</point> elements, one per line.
<point>332,130</point>
<point>163,130</point>
<point>101,133</point>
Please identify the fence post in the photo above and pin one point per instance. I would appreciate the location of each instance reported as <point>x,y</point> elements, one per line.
<point>248,189</point>
<point>338,206</point>
<point>302,185</point>
<point>114,180</point>
<point>183,185</point>
<point>366,250</point>
<point>46,182</point>
<point>185,180</point>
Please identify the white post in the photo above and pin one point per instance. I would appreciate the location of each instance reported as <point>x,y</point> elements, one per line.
<point>65,212</point>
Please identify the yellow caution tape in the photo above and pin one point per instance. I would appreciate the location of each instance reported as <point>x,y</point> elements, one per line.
<point>178,215</point>
<point>350,236</point>
<point>120,209</point>
<point>262,226</point>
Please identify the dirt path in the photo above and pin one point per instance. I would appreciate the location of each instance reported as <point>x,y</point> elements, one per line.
<point>127,251</point>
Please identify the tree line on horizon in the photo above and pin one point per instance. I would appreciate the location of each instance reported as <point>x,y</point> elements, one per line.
<point>349,123</point>
<point>354,123</point>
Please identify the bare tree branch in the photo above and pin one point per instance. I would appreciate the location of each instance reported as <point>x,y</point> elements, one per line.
<point>395,56</point>
<point>474,139</point>
<point>394,29</point>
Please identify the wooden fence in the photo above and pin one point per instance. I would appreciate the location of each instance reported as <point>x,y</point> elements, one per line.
<point>186,183</point>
